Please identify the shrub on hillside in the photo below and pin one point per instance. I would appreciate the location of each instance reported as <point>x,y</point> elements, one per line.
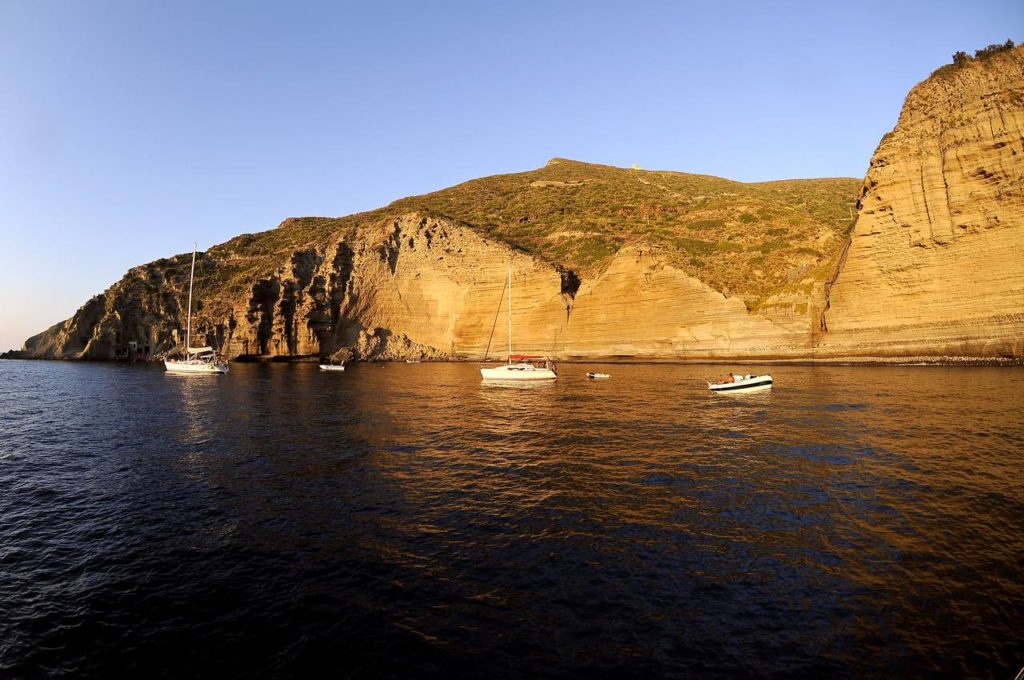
<point>993,49</point>
<point>961,58</point>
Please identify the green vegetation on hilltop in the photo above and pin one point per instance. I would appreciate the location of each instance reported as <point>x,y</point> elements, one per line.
<point>748,239</point>
<point>962,59</point>
<point>743,239</point>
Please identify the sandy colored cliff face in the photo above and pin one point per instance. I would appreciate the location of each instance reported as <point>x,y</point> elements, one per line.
<point>434,289</point>
<point>653,266</point>
<point>412,287</point>
<point>936,263</point>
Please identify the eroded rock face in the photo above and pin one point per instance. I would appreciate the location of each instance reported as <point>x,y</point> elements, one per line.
<point>936,262</point>
<point>141,313</point>
<point>413,287</point>
<point>934,268</point>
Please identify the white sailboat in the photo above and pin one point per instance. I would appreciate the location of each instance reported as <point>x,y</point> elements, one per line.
<point>519,367</point>
<point>332,367</point>
<point>197,359</point>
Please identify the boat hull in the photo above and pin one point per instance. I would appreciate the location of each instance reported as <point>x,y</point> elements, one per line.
<point>194,367</point>
<point>327,367</point>
<point>743,385</point>
<point>517,373</point>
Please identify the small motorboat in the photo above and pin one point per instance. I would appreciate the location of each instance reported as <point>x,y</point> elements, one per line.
<point>743,384</point>
<point>332,367</point>
<point>599,376</point>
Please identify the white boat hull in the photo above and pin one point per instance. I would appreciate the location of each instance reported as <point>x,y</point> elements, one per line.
<point>329,367</point>
<point>599,376</point>
<point>517,372</point>
<point>743,385</point>
<point>195,360</point>
<point>194,367</point>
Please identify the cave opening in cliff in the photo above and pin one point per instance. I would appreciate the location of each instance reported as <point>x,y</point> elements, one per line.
<point>570,282</point>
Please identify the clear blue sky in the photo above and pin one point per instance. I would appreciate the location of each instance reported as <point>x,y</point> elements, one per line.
<point>129,129</point>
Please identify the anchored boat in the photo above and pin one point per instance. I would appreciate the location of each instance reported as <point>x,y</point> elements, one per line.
<point>742,384</point>
<point>519,366</point>
<point>598,376</point>
<point>196,359</point>
<point>332,367</point>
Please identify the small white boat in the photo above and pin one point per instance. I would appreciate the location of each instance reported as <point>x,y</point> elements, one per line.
<point>598,376</point>
<point>412,361</point>
<point>332,367</point>
<point>520,367</point>
<point>743,384</point>
<point>201,360</point>
<point>197,360</point>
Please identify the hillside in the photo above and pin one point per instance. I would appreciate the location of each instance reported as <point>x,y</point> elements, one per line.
<point>741,239</point>
<point>921,259</point>
<point>312,285</point>
<point>746,240</point>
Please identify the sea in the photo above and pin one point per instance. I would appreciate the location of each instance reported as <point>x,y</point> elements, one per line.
<point>409,521</point>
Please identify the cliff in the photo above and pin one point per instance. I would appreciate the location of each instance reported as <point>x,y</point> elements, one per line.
<point>606,262</point>
<point>613,262</point>
<point>935,266</point>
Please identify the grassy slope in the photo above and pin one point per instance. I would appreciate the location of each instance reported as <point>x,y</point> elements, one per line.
<point>743,239</point>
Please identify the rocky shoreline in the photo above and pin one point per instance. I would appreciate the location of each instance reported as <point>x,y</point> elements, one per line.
<point>711,361</point>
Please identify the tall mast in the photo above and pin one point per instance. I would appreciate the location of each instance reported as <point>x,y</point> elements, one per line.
<point>191,276</point>
<point>510,309</point>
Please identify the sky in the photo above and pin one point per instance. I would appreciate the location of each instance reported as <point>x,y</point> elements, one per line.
<point>130,129</point>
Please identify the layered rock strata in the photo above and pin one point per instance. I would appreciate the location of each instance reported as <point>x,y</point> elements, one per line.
<point>936,262</point>
<point>933,267</point>
<point>411,287</point>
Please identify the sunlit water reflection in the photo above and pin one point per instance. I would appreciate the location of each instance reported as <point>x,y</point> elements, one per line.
<point>409,520</point>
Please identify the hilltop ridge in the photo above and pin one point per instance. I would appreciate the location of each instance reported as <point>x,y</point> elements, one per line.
<point>577,215</point>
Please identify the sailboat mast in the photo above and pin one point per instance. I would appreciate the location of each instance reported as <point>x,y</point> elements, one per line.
<point>191,276</point>
<point>510,310</point>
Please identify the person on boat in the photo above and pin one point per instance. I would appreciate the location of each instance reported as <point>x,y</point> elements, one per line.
<point>729,379</point>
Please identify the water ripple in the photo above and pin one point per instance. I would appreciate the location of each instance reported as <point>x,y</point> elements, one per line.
<point>397,521</point>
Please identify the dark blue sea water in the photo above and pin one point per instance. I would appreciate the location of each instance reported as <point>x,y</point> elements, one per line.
<point>407,521</point>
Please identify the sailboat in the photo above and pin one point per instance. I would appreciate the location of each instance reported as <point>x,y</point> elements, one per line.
<point>197,359</point>
<point>332,367</point>
<point>519,366</point>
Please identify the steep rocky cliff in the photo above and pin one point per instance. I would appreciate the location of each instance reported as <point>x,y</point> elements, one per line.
<point>936,262</point>
<point>612,262</point>
<point>606,262</point>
